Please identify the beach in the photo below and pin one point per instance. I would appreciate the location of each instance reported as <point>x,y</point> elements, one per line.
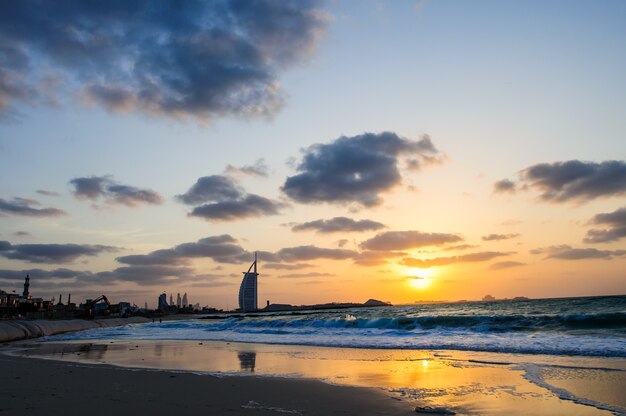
<point>242,378</point>
<point>35,387</point>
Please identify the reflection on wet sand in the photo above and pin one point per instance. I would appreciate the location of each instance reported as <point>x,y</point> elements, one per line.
<point>468,382</point>
<point>247,361</point>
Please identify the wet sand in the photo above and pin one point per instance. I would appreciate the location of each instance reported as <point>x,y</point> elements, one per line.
<point>37,387</point>
<point>465,382</point>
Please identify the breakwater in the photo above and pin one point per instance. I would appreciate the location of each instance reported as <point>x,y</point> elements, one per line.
<point>20,329</point>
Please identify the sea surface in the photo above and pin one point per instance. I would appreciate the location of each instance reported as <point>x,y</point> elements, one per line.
<point>586,326</point>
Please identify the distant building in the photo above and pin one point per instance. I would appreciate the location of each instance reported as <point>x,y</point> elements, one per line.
<point>178,302</point>
<point>248,292</point>
<point>185,303</point>
<point>171,300</point>
<point>162,302</point>
<point>26,286</point>
<point>488,298</point>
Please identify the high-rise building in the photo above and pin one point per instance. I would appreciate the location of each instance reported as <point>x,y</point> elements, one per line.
<point>162,302</point>
<point>248,293</point>
<point>185,303</point>
<point>26,286</point>
<point>171,300</point>
<point>178,300</point>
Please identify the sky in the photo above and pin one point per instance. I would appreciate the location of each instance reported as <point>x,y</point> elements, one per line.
<point>403,151</point>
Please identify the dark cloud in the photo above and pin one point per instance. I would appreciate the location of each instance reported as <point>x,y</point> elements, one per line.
<point>404,240</point>
<point>499,237</point>
<point>302,275</point>
<point>338,224</point>
<point>259,168</point>
<point>47,193</point>
<point>95,187</point>
<point>52,253</point>
<point>227,200</point>
<point>565,252</point>
<point>616,221</point>
<point>280,266</point>
<point>575,180</point>
<point>27,208</point>
<point>444,261</point>
<point>180,59</point>
<point>304,253</point>
<point>504,186</point>
<point>342,242</point>
<point>211,189</point>
<point>22,234</point>
<point>505,265</point>
<point>354,169</point>
<point>250,206</point>
<point>222,248</point>
<point>60,274</point>
<point>148,274</point>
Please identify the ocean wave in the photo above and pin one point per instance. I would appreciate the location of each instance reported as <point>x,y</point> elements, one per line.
<point>481,323</point>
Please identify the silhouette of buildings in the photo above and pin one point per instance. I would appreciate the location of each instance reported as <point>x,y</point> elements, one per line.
<point>26,286</point>
<point>185,303</point>
<point>178,301</point>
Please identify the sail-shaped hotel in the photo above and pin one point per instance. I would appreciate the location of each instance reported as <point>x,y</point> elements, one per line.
<point>248,290</point>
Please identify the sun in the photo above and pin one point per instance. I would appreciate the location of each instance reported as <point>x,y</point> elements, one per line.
<point>419,282</point>
<point>420,278</point>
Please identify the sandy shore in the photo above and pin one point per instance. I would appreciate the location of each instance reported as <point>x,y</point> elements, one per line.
<point>33,386</point>
<point>213,377</point>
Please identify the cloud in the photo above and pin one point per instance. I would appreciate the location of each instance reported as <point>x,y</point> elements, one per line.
<point>27,208</point>
<point>355,169</point>
<point>565,252</point>
<point>22,234</point>
<point>459,247</point>
<point>301,275</point>
<point>47,193</point>
<point>51,253</point>
<point>376,258</point>
<point>305,253</point>
<point>148,274</point>
<point>505,265</point>
<point>192,59</point>
<point>444,261</point>
<point>616,221</point>
<point>575,180</point>
<point>338,224</point>
<point>499,237</point>
<point>250,206</point>
<point>504,186</point>
<point>61,274</point>
<point>222,248</point>
<point>211,189</point>
<point>227,200</point>
<point>95,187</point>
<point>280,266</point>
<point>259,168</point>
<point>404,240</point>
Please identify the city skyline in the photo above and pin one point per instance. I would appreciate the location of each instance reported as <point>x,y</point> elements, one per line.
<point>401,151</point>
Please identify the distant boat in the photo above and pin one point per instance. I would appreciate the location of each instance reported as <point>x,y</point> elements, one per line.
<point>248,291</point>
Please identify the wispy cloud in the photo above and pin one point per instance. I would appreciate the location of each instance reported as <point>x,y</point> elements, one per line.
<point>113,193</point>
<point>27,208</point>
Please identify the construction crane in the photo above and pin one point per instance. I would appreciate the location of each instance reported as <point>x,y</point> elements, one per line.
<point>89,306</point>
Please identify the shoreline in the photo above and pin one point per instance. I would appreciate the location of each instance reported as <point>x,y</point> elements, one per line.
<point>466,383</point>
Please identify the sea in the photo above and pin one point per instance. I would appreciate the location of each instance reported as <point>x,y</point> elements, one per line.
<point>584,326</point>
